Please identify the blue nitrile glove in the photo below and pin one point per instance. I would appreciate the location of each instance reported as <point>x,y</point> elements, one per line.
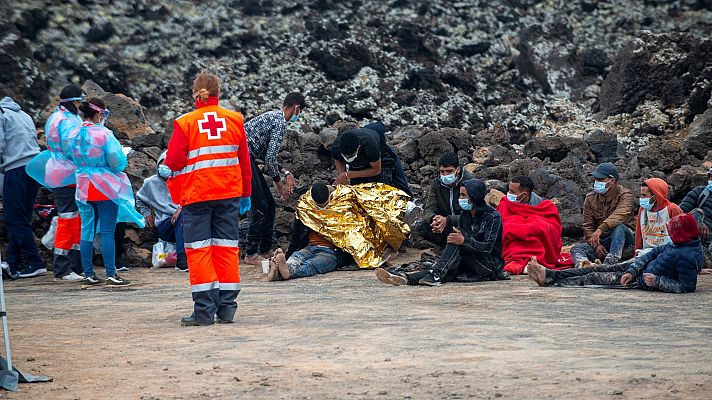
<point>245,205</point>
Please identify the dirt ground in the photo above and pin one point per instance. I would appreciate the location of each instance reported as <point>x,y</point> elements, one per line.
<point>347,336</point>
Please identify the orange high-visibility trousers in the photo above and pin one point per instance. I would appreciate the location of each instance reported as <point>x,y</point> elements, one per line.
<point>211,234</point>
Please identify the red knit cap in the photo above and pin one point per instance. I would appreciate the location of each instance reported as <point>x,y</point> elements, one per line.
<point>683,228</point>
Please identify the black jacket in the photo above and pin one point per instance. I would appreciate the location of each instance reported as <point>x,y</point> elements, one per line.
<point>691,201</point>
<point>443,200</point>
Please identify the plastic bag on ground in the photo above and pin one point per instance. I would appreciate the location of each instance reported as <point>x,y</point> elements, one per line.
<point>163,254</point>
<point>48,238</point>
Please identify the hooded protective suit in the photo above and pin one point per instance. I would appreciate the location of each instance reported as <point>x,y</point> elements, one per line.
<point>100,162</point>
<point>52,168</point>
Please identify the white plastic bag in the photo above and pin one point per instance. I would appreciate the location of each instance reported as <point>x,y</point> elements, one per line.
<point>163,254</point>
<point>48,238</point>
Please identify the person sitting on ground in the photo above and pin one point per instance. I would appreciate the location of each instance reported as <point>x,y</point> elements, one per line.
<point>607,220</point>
<point>442,209</point>
<point>531,227</point>
<point>154,197</point>
<point>654,213</point>
<point>319,256</point>
<point>699,200</point>
<point>669,268</point>
<point>474,249</point>
<point>361,155</point>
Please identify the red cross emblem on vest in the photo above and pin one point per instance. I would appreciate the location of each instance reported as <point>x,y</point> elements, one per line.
<point>212,125</point>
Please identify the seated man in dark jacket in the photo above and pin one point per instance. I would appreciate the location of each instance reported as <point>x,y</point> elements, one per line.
<point>442,209</point>
<point>699,200</point>
<point>309,253</point>
<point>474,248</point>
<point>668,268</point>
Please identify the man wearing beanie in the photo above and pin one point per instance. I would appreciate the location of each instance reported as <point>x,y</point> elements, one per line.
<point>668,268</point>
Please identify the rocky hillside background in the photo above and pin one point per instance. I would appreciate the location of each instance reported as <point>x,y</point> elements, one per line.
<point>545,88</point>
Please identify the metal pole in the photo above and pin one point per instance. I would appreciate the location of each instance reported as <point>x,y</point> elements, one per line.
<point>3,313</point>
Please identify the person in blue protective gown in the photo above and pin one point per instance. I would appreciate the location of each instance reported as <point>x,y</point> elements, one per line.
<point>53,169</point>
<point>103,189</point>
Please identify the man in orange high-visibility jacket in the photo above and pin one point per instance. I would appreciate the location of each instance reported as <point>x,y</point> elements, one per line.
<point>208,153</point>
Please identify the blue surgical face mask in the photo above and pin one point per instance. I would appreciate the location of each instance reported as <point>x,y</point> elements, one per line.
<point>294,118</point>
<point>709,186</point>
<point>646,204</point>
<point>600,187</point>
<point>448,179</point>
<point>465,204</point>
<point>513,197</point>
<point>164,171</point>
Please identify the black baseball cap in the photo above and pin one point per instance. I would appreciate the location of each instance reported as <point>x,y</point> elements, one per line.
<point>605,170</point>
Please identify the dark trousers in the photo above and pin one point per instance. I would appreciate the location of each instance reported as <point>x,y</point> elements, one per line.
<point>63,264</point>
<point>19,196</point>
<point>261,228</point>
<point>212,249</point>
<point>425,232</point>
<point>172,233</point>
<point>600,275</point>
<point>119,239</point>
<point>455,264</point>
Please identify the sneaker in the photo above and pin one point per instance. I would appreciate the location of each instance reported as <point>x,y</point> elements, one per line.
<point>117,281</point>
<point>70,277</point>
<point>179,269</point>
<point>389,278</point>
<point>122,268</point>
<point>91,281</point>
<point>429,280</point>
<point>32,271</point>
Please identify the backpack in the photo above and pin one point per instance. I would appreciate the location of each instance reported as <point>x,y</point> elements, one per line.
<point>702,198</point>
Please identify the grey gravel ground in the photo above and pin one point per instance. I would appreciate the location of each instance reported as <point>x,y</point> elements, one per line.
<point>346,335</point>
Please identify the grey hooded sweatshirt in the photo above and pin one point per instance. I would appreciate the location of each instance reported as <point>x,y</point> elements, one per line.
<point>18,136</point>
<point>154,195</point>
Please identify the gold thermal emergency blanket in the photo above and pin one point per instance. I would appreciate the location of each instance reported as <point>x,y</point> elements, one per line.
<point>359,219</point>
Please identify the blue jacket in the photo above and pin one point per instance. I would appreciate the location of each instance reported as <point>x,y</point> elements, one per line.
<point>675,265</point>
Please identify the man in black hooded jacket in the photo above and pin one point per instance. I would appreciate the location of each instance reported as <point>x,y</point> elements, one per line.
<point>473,251</point>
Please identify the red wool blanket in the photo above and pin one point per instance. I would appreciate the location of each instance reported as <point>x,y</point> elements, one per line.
<point>531,231</point>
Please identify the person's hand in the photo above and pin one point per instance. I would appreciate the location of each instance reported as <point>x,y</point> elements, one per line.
<point>283,193</point>
<point>626,279</point>
<point>150,221</point>
<point>649,279</point>
<point>601,252</point>
<point>341,179</point>
<point>704,231</point>
<point>290,183</point>
<point>456,237</point>
<point>439,223</point>
<point>175,216</point>
<point>596,238</point>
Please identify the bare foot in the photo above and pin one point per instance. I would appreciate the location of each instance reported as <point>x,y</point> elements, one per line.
<point>281,262</point>
<point>537,272</point>
<point>273,274</point>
